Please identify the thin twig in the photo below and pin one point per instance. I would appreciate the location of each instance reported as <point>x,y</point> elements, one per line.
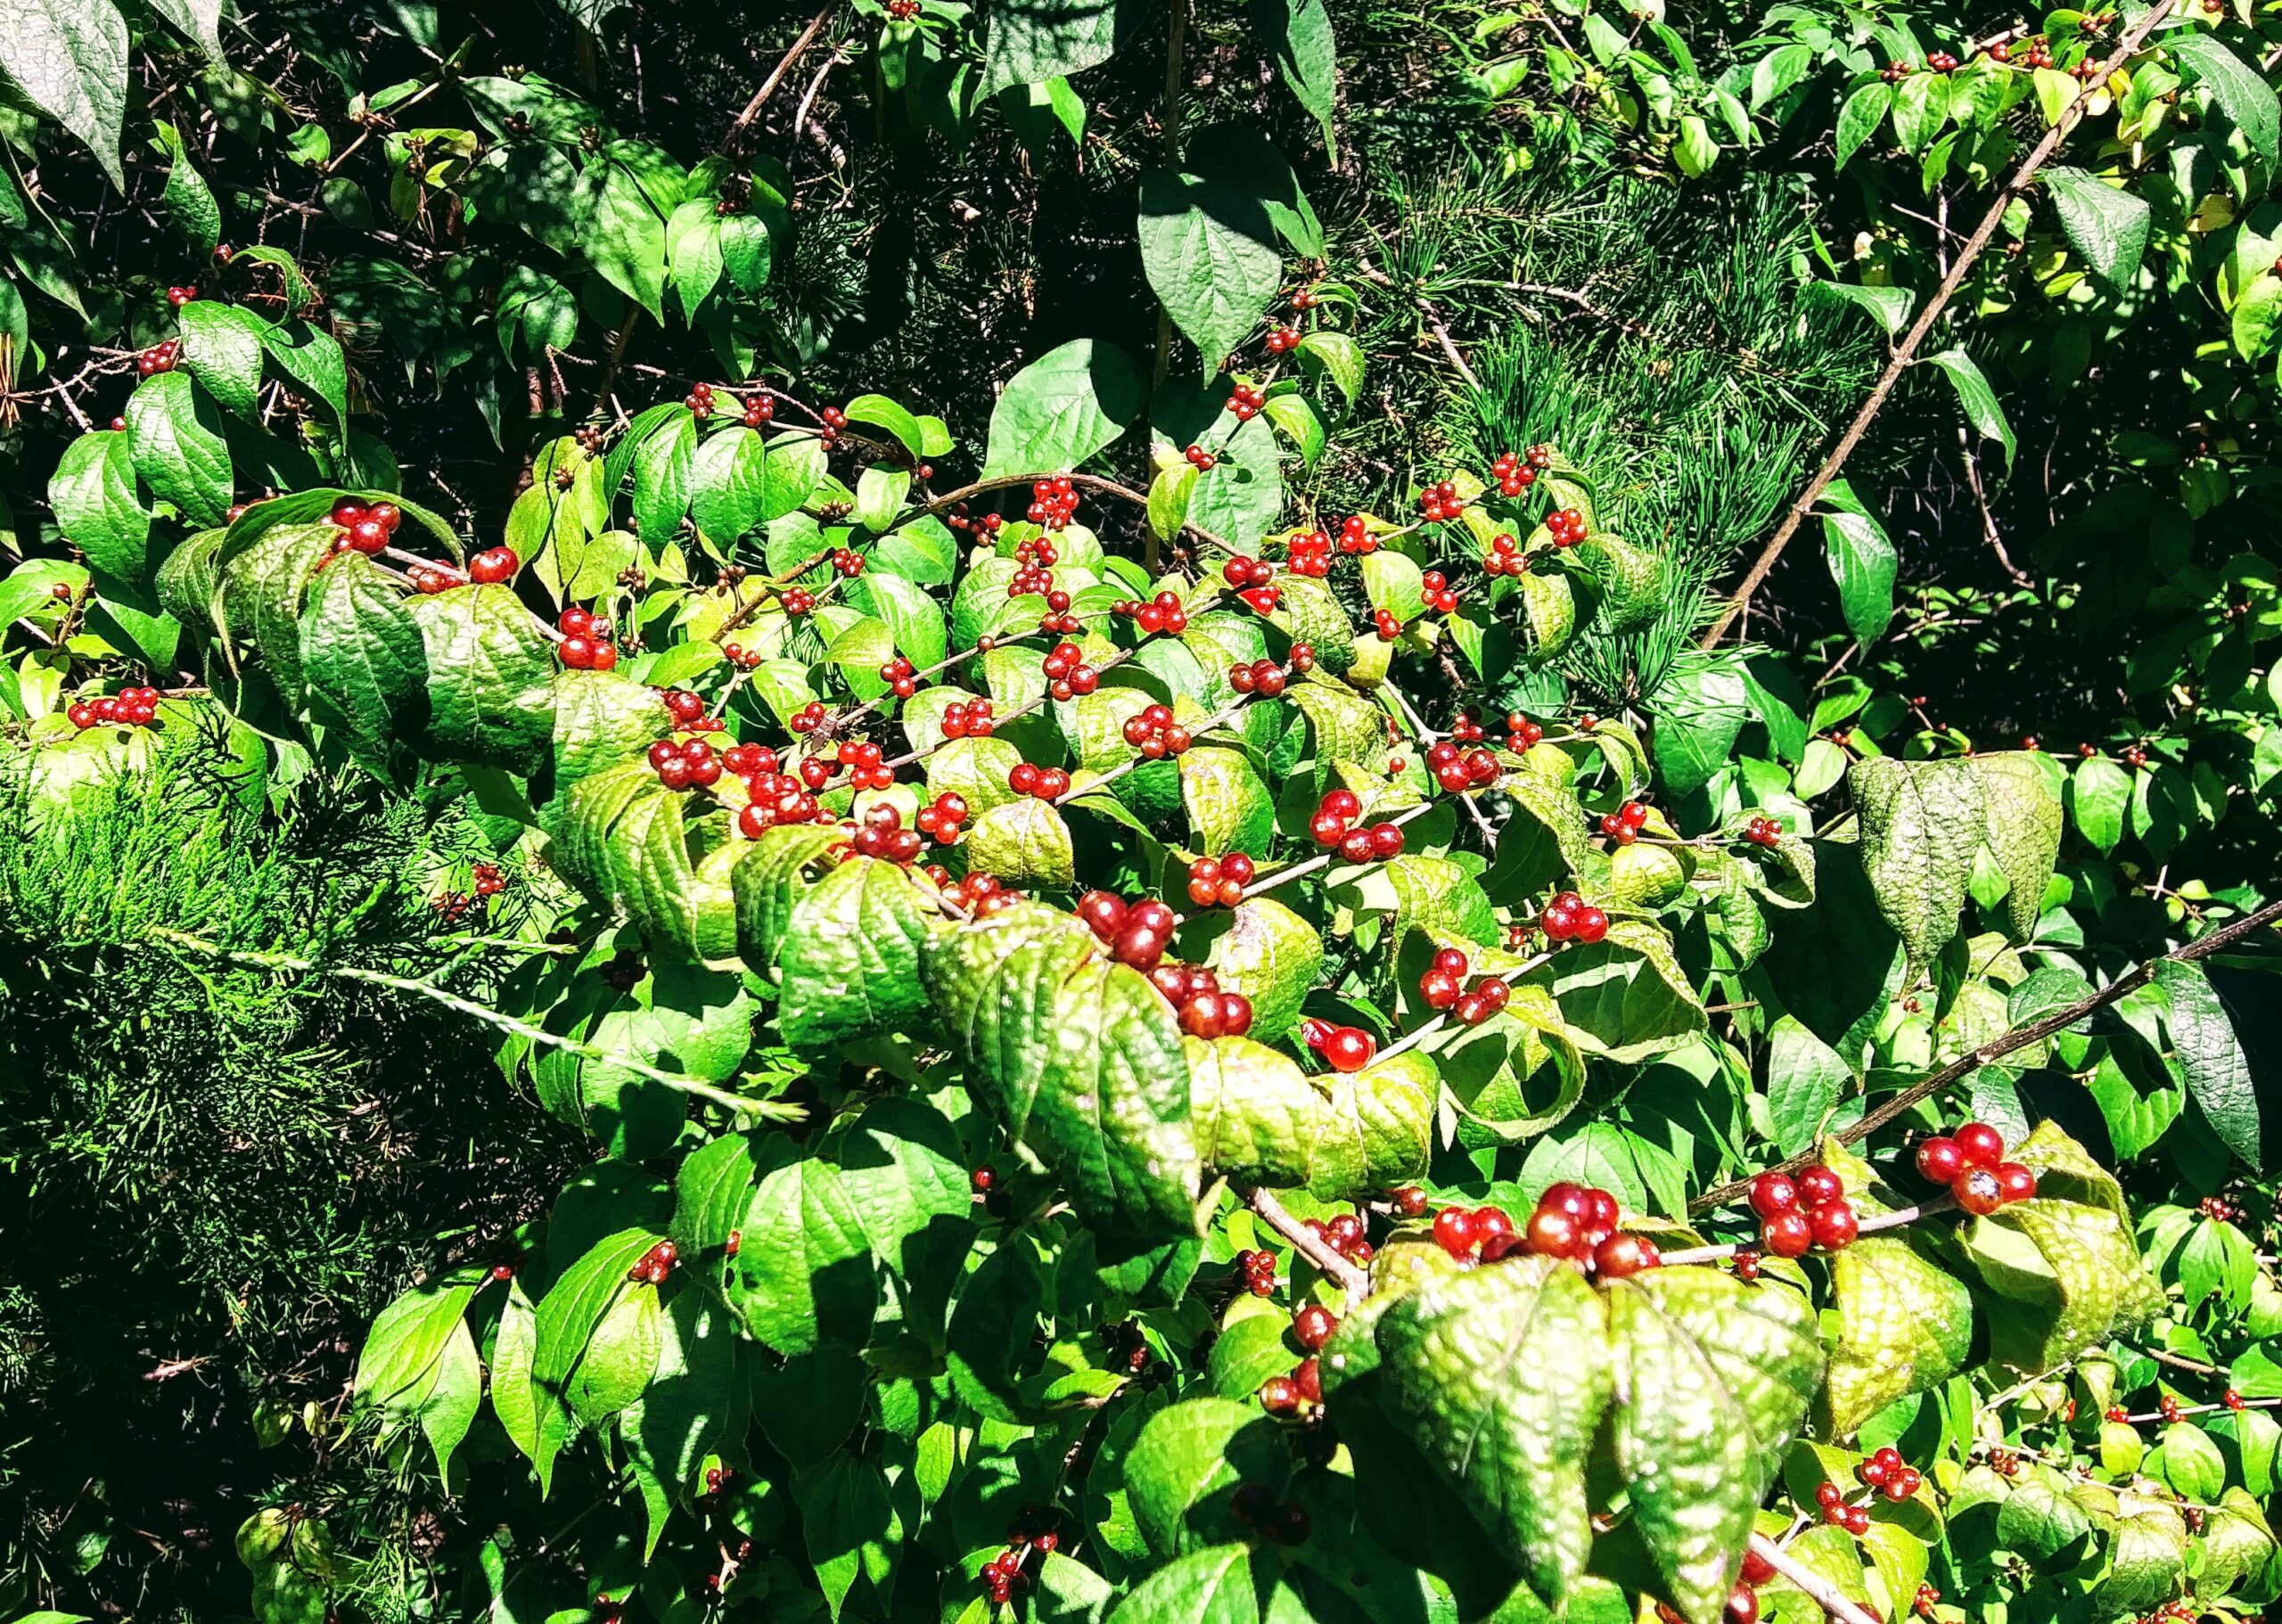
<point>1906,352</point>
<point>1816,1588</point>
<point>768,85</point>
<point>1272,1212</point>
<point>2019,1038</point>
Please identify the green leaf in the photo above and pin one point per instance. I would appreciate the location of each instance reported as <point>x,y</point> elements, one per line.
<point>200,21</point>
<point>2106,225</point>
<point>625,239</point>
<point>768,882</point>
<point>1862,563</point>
<point>490,679</point>
<point>1859,118</point>
<point>916,619</point>
<point>189,201</point>
<point>729,486</point>
<point>2247,99</point>
<point>1920,823</point>
<point>1024,841</point>
<point>1209,1587</point>
<point>1715,1376</point>
<point>362,650</point>
<point>2099,793</point>
<point>1271,956</point>
<point>1804,1080</point>
<point>2211,1057</point>
<point>2023,818</point>
<point>1889,307</point>
<point>1212,258</point>
<point>1298,34</point>
<point>1625,997</point>
<point>849,1523</point>
<point>1337,357</point>
<point>1184,1469</point>
<point>1494,1376</point>
<point>1700,710</point>
<point>179,452</point>
<point>68,57</point>
<point>1230,808</point>
<point>804,1275</point>
<point>93,495</point>
<point>2070,1273</point>
<point>1921,106</point>
<point>1077,1058</point>
<point>1064,408</point>
<point>395,1369</point>
<point>851,958</point>
<point>693,251</point>
<point>1904,1327</point>
<point>1980,402</point>
<point>1262,1120</point>
<point>598,1334</point>
<point>682,1018</point>
<point>1168,495</point>
<point>535,314</point>
<point>312,358</point>
<point>222,346</point>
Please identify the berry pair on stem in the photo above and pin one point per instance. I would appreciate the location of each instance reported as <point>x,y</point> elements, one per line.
<point>1569,918</point>
<point>1459,770</point>
<point>1623,825</point>
<point>359,529</point>
<point>1044,783</point>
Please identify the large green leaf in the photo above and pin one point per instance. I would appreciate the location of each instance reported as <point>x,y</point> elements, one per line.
<point>1298,34</point>
<point>767,880</point>
<point>1262,1120</point>
<point>2211,1056</point>
<point>1903,1326</point>
<point>490,679</point>
<point>68,57</point>
<point>1212,258</point>
<point>2247,100</point>
<point>1184,1469</point>
<point>1023,841</point>
<point>569,1325</point>
<point>92,494</point>
<point>222,348</point>
<point>1076,1057</point>
<point>363,652</point>
<point>1230,808</point>
<point>803,1277</point>
<point>1862,561</point>
<point>175,432</point>
<point>2106,225</point>
<point>1714,1377</point>
<point>1271,956</point>
<point>2069,1273</point>
<point>851,956</point>
<point>2022,820</point>
<point>1215,1585</point>
<point>1921,822</point>
<point>1499,1378</point>
<point>1626,996</point>
<point>1982,409</point>
<point>1029,45</point>
<point>1063,408</point>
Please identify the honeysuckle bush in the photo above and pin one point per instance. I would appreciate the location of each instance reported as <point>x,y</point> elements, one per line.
<point>998,1211</point>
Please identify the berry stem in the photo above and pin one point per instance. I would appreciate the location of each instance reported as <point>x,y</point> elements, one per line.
<point>1872,1224</point>
<point>1278,1218</point>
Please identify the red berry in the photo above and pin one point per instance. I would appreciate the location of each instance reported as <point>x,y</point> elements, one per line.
<point>1454,1231</point>
<point>1818,1184</point>
<point>1980,1145</point>
<point>1773,1192</point>
<point>493,565</point>
<point>1553,1232</point>
<point>1835,1224</point>
<point>1787,1235</point>
<point>1979,1191</point>
<point>1349,1048</point>
<point>1940,1159</point>
<point>2017,1182</point>
<point>1312,1325</point>
<point>1621,1255</point>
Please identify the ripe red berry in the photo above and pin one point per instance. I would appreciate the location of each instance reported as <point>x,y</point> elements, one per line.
<point>1773,1192</point>
<point>1312,1325</point>
<point>1621,1255</point>
<point>493,565</point>
<point>1818,1184</point>
<point>1835,1224</point>
<point>1979,1191</point>
<point>1349,1048</point>
<point>1279,1395</point>
<point>1454,1231</point>
<point>1742,1605</point>
<point>1940,1159</point>
<point>1980,1145</point>
<point>1553,1232</point>
<point>1787,1235</point>
<point>2015,1181</point>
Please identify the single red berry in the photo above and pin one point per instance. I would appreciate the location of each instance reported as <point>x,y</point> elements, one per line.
<point>1349,1048</point>
<point>1454,1231</point>
<point>1835,1224</point>
<point>1979,1191</point>
<point>1312,1325</point>
<point>1553,1232</point>
<point>1939,1160</point>
<point>1773,1192</point>
<point>1787,1235</point>
<point>2016,1182</point>
<point>1980,1145</point>
<point>1818,1184</point>
<point>1621,1255</point>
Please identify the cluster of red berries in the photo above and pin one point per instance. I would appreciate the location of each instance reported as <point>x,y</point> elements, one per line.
<point>1344,1048</point>
<point>1333,815</point>
<point>1894,72</point>
<point>901,678</point>
<point>681,767</point>
<point>159,358</point>
<point>1282,339</point>
<point>848,563</point>
<point>1136,933</point>
<point>797,601</point>
<point>1564,527</point>
<point>1836,1511</point>
<point>760,411</point>
<point>1355,537</point>
<point>429,579</point>
<point>1165,613</point>
<point>2135,757</point>
<point>700,401</point>
<point>1942,61</point>
<point>883,836</point>
<point>1521,733</point>
<point>2038,55</point>
<point>1926,1599</point>
<point>1466,727</point>
<point>686,706</point>
<point>1569,918</point>
<point>1623,825</point>
<point>1809,1211</point>
<point>1504,557</point>
<point>655,1265</point>
<point>969,721</point>
<point>1375,843</point>
<point>1312,1325</point>
<point>1887,1472</point>
<point>2219,1209</point>
<point>1439,595</point>
<point>1264,677</point>
<point>1044,783</point>
<point>1971,1164</point>
<point>1441,502</point>
<point>982,529</point>
<point>587,645</point>
<point>1573,1221</point>
<point>1005,1574</point>
<point>1200,459</point>
<point>1459,770</point>
<point>1245,402</point>
<point>981,895</point>
<point>1443,986</point>
<point>493,566</point>
<point>179,297</point>
<point>489,880</point>
<point>774,798</point>
<point>1258,1268</point>
<point>809,718</point>
<point>1383,622</point>
<point>1242,572</point>
<point>1053,502</point>
<point>1344,1235</point>
<point>1199,1005</point>
<point>940,818</point>
<point>1155,734</point>
<point>1763,831</point>
<point>1308,552</point>
<point>359,529</point>
<point>1219,879</point>
<point>129,707</point>
<point>866,765</point>
<point>1066,670</point>
<point>1514,473</point>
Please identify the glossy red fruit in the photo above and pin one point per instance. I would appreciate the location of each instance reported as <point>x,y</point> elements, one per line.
<point>1349,1048</point>
<point>1835,1224</point>
<point>1773,1192</point>
<point>1817,1184</point>
<point>1940,1159</point>
<point>1103,911</point>
<point>1454,1231</point>
<point>1408,1200</point>
<point>1757,1569</point>
<point>1979,1191</point>
<point>1491,1222</point>
<point>1279,1395</point>
<point>1743,1605</point>
<point>1312,1325</point>
<point>1980,1145</point>
<point>1787,1235</point>
<point>2017,1182</point>
<point>1307,1375</point>
<point>493,565</point>
<point>1553,1232</point>
<point>1623,1255</point>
